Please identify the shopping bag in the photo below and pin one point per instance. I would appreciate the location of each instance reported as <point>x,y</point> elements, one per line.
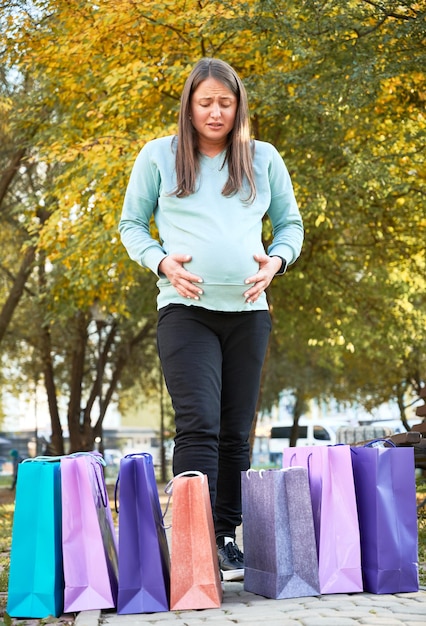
<point>144,562</point>
<point>280,556</point>
<point>88,536</point>
<point>36,582</point>
<point>335,514</point>
<point>194,576</point>
<point>386,496</point>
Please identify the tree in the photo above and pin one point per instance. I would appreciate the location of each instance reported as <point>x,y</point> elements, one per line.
<point>355,139</point>
<point>335,85</point>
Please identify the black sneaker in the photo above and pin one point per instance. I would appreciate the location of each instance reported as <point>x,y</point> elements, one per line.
<point>231,559</point>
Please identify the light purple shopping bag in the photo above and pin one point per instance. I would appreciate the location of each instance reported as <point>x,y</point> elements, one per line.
<point>386,495</point>
<point>88,536</point>
<point>335,514</point>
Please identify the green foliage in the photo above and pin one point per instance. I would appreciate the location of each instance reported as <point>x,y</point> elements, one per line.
<point>338,87</point>
<point>421,516</point>
<point>6,520</point>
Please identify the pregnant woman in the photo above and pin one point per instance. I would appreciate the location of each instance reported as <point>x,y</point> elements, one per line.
<point>209,188</point>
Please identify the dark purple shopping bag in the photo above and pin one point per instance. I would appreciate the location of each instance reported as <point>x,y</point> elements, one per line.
<point>386,497</point>
<point>144,563</point>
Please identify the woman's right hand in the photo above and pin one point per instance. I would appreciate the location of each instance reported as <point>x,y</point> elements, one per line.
<point>185,283</point>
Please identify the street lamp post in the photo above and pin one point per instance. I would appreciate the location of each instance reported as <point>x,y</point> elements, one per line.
<point>99,317</point>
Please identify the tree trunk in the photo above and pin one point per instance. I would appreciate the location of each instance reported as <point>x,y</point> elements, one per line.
<point>17,290</point>
<point>252,436</point>
<point>57,439</point>
<point>9,173</point>
<point>76,383</point>
<point>124,354</point>
<point>56,446</point>
<point>401,406</point>
<point>299,406</point>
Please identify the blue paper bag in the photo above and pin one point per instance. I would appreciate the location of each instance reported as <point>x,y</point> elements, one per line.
<point>36,581</point>
<point>144,564</point>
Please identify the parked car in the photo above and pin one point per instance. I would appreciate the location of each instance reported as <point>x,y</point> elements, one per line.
<point>310,433</point>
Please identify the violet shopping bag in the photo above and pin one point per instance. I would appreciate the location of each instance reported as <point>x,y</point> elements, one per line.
<point>280,556</point>
<point>335,514</point>
<point>88,536</point>
<point>386,495</point>
<point>194,576</point>
<point>36,582</point>
<point>144,562</point>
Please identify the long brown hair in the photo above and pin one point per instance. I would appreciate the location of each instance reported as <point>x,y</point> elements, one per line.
<point>239,151</point>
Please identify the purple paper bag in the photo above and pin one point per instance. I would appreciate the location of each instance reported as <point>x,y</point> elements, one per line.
<point>144,564</point>
<point>335,514</point>
<point>386,496</point>
<point>88,536</point>
<point>280,557</point>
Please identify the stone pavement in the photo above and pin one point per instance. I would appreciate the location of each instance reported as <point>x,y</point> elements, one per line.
<point>242,607</point>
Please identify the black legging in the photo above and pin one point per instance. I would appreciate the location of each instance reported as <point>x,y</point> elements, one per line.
<point>212,363</point>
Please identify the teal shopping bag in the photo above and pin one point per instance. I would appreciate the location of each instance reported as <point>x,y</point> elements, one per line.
<point>36,580</point>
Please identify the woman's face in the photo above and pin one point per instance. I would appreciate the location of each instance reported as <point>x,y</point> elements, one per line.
<point>213,111</point>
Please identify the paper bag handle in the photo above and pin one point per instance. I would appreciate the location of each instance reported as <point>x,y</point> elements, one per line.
<point>127,456</point>
<point>95,456</point>
<point>101,488</point>
<point>169,487</point>
<point>375,443</point>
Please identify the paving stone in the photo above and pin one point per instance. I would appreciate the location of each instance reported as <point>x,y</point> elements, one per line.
<point>243,608</point>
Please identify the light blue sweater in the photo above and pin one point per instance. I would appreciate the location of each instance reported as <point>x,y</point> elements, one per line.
<point>221,234</point>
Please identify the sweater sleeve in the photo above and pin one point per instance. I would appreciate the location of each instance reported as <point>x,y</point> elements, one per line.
<point>284,212</point>
<point>139,205</point>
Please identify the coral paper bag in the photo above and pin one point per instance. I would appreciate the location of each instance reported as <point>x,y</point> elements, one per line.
<point>88,536</point>
<point>36,582</point>
<point>195,579</point>
<point>335,514</point>
<point>280,556</point>
<point>144,562</point>
<point>386,495</point>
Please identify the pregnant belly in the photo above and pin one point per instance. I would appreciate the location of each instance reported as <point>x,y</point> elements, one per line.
<point>216,267</point>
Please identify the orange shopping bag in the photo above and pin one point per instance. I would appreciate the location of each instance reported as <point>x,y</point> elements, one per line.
<point>194,567</point>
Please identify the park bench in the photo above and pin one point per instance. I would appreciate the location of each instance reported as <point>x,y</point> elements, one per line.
<point>416,437</point>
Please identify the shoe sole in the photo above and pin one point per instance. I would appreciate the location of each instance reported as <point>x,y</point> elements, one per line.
<point>232,575</point>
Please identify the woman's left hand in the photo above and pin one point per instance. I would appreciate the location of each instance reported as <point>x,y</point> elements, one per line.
<point>268,267</point>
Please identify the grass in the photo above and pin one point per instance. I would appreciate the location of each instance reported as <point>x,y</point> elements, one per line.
<point>6,519</point>
<point>421,516</point>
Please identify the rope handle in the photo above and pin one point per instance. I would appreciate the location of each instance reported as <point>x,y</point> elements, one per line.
<point>169,487</point>
<point>96,459</point>
<point>43,458</point>
<point>101,483</point>
<point>262,471</point>
<point>95,456</point>
<point>308,461</point>
<point>168,490</point>
<point>132,455</point>
<point>377,443</point>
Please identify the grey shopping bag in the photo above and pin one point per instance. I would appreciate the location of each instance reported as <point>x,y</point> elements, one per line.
<point>280,556</point>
